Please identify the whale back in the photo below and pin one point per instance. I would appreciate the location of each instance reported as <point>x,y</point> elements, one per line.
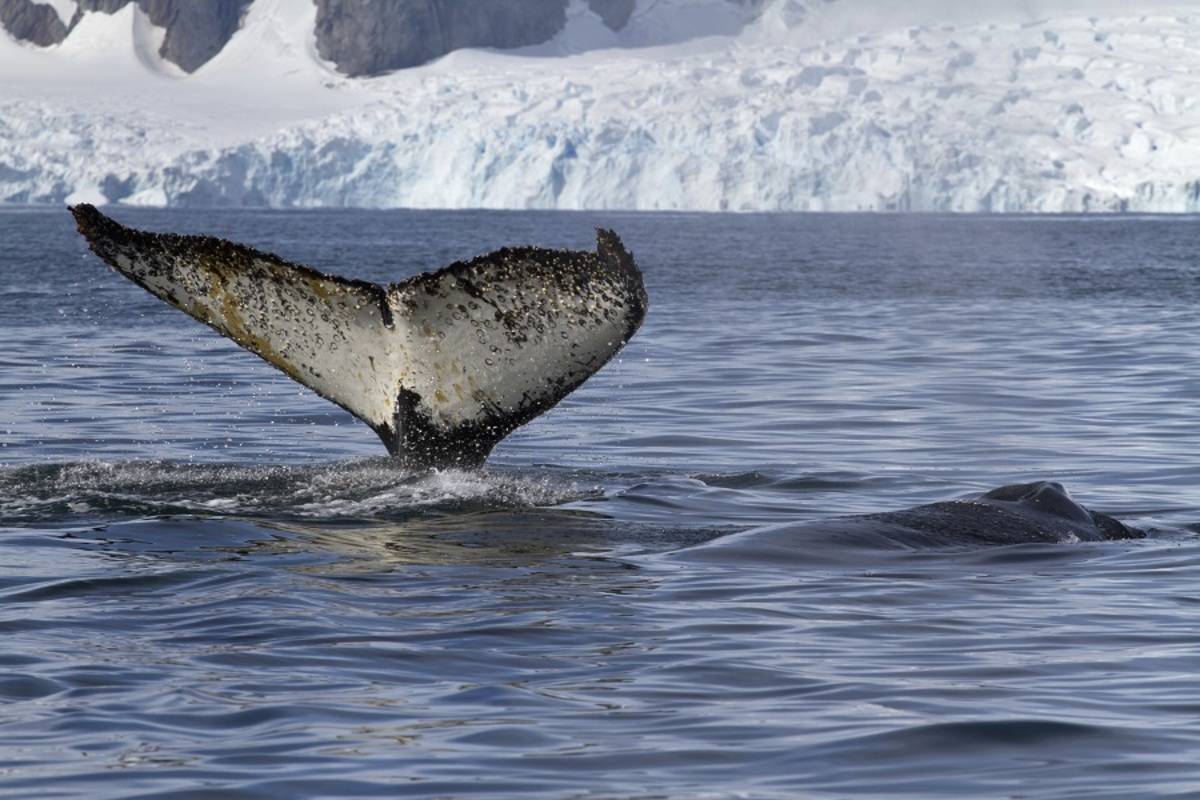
<point>1028,513</point>
<point>1023,513</point>
<point>1049,503</point>
<point>441,366</point>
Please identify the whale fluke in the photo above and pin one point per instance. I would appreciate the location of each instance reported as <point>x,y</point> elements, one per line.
<point>442,366</point>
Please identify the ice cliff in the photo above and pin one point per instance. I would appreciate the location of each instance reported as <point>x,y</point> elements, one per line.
<point>837,105</point>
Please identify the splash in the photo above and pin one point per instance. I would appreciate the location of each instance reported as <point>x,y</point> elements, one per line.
<point>371,489</point>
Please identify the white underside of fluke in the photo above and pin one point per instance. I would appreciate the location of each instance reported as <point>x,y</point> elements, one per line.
<point>468,354</point>
<point>451,360</point>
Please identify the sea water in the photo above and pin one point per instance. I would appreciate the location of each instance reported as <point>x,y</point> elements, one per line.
<point>215,584</point>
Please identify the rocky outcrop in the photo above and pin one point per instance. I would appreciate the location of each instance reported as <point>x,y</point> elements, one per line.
<point>32,22</point>
<point>614,13</point>
<point>196,31</point>
<point>367,37</point>
<point>362,37</point>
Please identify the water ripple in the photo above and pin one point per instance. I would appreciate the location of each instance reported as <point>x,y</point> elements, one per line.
<point>214,587</point>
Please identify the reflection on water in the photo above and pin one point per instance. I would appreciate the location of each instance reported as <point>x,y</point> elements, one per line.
<point>486,538</point>
<point>210,578</point>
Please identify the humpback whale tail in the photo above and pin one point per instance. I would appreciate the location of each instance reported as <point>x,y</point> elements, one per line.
<point>442,366</point>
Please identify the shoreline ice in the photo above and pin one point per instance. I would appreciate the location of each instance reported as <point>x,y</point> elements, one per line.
<point>1057,114</point>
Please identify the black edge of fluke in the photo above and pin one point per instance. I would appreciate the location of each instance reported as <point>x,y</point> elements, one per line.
<point>611,250</point>
<point>90,222</point>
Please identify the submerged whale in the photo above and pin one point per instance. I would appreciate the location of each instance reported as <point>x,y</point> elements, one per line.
<point>441,366</point>
<point>1025,513</point>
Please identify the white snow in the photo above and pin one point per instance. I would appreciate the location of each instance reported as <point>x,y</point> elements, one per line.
<point>124,44</point>
<point>1037,105</point>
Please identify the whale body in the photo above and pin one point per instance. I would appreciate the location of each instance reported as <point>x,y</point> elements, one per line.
<point>1026,513</point>
<point>441,366</point>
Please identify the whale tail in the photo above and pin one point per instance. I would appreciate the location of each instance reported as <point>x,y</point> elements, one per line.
<point>442,366</point>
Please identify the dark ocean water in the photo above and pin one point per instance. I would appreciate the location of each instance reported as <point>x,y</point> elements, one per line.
<point>212,585</point>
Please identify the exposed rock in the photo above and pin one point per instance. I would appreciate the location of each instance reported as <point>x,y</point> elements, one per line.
<point>362,37</point>
<point>195,31</point>
<point>614,13</point>
<point>30,22</point>
<point>367,37</point>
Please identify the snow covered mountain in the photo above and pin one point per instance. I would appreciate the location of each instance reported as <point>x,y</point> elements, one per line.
<point>1029,105</point>
<point>361,37</point>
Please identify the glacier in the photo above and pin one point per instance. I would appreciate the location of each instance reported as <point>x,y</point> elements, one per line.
<point>698,105</point>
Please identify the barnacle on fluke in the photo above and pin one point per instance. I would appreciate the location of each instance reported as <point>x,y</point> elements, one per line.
<point>442,366</point>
